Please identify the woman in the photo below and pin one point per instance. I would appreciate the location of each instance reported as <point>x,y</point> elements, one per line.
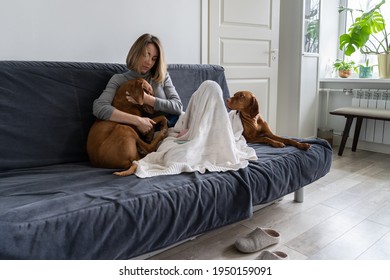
<point>145,60</point>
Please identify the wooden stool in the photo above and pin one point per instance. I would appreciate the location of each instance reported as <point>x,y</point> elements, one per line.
<point>359,113</point>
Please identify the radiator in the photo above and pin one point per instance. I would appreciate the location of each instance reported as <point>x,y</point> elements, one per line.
<point>373,130</point>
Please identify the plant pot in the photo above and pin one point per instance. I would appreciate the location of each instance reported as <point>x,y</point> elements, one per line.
<point>365,71</point>
<point>344,73</point>
<point>384,65</point>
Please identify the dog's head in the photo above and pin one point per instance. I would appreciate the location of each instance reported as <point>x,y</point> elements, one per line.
<point>135,89</point>
<point>245,102</point>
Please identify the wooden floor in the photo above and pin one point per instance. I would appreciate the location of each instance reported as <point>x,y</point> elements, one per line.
<point>345,215</point>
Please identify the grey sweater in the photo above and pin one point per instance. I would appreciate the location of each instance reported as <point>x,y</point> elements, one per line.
<point>167,99</point>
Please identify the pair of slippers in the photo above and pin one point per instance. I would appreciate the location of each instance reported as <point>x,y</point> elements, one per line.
<point>259,239</point>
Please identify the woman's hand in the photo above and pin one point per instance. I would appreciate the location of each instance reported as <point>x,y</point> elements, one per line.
<point>144,125</point>
<point>148,98</point>
<point>148,89</point>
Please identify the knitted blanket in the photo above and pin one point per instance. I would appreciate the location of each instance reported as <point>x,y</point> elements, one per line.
<point>205,138</point>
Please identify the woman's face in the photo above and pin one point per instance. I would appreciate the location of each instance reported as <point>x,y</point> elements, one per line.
<point>148,59</point>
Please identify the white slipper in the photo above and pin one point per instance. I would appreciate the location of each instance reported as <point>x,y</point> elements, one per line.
<point>275,255</point>
<point>257,240</point>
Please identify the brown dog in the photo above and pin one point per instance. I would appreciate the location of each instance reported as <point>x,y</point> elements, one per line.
<point>115,145</point>
<point>256,129</point>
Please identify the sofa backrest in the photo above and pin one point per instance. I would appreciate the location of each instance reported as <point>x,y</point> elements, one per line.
<point>46,107</point>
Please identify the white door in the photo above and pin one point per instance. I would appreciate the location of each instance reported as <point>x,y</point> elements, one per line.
<point>244,38</point>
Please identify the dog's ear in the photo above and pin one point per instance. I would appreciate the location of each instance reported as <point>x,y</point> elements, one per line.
<point>146,87</point>
<point>253,107</point>
<point>138,91</point>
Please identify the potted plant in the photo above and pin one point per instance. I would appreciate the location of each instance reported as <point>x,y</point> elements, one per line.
<point>365,70</point>
<point>368,34</point>
<point>344,68</point>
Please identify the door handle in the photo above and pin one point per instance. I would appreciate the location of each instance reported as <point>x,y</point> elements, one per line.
<point>274,54</point>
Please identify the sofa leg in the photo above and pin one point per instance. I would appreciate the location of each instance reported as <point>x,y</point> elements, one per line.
<point>298,195</point>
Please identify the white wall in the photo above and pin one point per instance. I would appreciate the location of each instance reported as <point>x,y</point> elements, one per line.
<point>97,30</point>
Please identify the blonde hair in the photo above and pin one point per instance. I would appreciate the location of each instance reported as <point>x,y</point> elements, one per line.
<point>138,49</point>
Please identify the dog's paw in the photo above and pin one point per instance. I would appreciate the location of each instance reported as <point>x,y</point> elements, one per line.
<point>148,137</point>
<point>165,132</point>
<point>278,145</point>
<point>127,172</point>
<point>304,146</point>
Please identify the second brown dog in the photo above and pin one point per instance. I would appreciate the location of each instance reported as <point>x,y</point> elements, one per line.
<point>256,129</point>
<point>115,145</point>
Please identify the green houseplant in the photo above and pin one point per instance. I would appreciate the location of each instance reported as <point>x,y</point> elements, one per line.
<point>312,31</point>
<point>344,68</point>
<point>368,34</point>
<point>365,70</point>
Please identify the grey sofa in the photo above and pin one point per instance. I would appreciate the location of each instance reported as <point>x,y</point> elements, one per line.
<point>55,205</point>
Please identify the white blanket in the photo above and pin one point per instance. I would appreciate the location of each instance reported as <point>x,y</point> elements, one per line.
<point>209,139</point>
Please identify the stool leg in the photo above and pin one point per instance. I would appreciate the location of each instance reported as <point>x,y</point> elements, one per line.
<point>358,126</point>
<point>347,127</point>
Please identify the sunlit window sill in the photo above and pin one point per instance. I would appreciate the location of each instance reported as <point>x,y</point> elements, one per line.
<point>355,80</point>
<point>354,83</point>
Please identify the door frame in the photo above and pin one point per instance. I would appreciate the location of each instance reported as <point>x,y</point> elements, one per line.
<point>204,37</point>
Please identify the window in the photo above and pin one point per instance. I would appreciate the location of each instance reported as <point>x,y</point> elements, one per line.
<point>366,5</point>
<point>312,23</point>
